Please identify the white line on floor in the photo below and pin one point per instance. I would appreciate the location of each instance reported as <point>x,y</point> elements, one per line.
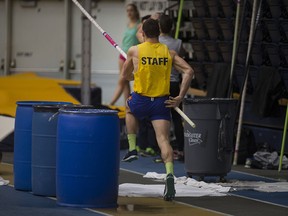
<point>262,201</point>
<point>259,176</point>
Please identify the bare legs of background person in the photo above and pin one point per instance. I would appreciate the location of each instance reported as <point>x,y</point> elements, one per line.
<point>122,86</point>
<point>178,124</point>
<point>179,134</point>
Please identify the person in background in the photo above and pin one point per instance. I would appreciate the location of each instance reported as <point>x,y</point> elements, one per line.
<point>149,64</point>
<point>166,24</point>
<point>129,40</point>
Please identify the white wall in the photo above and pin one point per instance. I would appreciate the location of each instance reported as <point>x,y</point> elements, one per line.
<point>38,36</point>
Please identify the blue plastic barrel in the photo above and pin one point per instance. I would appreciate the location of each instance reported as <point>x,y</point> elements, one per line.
<point>44,131</point>
<point>43,161</point>
<point>22,143</point>
<point>87,161</point>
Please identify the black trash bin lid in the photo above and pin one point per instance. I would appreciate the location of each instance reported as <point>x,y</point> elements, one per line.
<point>208,100</point>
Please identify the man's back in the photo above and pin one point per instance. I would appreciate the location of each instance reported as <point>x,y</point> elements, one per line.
<point>152,77</point>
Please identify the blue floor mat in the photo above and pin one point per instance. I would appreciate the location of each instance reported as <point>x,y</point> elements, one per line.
<point>14,203</point>
<point>146,164</point>
<point>280,198</point>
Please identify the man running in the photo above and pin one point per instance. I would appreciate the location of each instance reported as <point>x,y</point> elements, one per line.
<point>149,65</point>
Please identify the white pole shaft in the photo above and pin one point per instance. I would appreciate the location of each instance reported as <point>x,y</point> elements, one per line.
<point>243,95</point>
<point>184,116</point>
<point>233,60</point>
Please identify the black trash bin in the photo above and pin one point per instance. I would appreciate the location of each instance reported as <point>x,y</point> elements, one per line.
<point>209,146</point>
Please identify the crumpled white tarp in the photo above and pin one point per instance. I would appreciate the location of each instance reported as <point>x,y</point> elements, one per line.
<point>270,158</point>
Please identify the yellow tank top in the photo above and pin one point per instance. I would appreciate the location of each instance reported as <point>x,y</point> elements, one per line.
<point>152,78</point>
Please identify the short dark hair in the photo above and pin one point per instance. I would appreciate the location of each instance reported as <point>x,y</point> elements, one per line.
<point>151,28</point>
<point>166,24</point>
<point>145,18</point>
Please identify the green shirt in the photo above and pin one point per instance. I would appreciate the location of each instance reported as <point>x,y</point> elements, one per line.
<point>130,38</point>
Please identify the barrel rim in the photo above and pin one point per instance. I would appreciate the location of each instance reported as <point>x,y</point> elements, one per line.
<point>48,107</point>
<point>31,103</point>
<point>94,111</point>
<point>56,107</point>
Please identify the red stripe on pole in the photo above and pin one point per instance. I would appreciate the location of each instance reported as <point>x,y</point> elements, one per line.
<point>107,36</point>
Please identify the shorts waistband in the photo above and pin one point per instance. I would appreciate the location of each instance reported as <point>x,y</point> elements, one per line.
<point>151,98</point>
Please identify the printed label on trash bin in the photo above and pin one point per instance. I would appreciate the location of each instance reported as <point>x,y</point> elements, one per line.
<point>195,138</point>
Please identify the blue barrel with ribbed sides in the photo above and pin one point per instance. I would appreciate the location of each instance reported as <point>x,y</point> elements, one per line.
<point>43,161</point>
<point>87,158</point>
<point>23,143</point>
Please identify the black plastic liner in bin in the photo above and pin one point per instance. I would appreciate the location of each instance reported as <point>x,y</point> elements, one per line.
<point>209,146</point>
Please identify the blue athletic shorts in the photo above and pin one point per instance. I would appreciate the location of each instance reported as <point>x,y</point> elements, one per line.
<point>153,108</point>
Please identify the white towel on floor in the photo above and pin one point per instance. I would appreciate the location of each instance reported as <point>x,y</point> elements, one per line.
<point>185,187</point>
<point>189,182</point>
<point>156,190</point>
<point>3,182</point>
<point>226,187</point>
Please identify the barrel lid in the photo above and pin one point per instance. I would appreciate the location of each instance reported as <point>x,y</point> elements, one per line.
<point>32,103</point>
<point>79,106</point>
<point>208,100</point>
<point>48,107</point>
<point>68,110</point>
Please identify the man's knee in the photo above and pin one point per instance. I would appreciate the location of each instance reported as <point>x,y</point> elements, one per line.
<point>167,154</point>
<point>162,139</point>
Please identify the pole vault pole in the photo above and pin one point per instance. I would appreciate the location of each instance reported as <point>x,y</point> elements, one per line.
<point>113,43</point>
<point>254,21</point>
<point>235,45</point>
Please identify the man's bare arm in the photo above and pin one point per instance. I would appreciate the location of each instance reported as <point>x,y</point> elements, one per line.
<point>128,67</point>
<point>187,74</point>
